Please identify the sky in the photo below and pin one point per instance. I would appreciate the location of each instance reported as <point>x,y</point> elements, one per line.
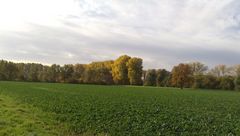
<point>162,32</point>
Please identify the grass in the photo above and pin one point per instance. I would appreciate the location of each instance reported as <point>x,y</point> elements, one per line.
<point>21,119</point>
<point>118,110</point>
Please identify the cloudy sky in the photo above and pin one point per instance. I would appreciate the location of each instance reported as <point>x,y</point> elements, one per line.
<point>162,32</point>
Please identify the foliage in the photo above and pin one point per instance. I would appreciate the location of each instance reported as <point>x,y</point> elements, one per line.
<point>181,75</point>
<point>123,71</point>
<point>237,70</point>
<point>99,73</point>
<point>199,81</point>
<point>206,82</point>
<point>105,72</point>
<point>227,83</point>
<point>78,74</point>
<point>220,70</point>
<point>237,83</point>
<point>213,82</point>
<point>120,70</point>
<point>53,73</point>
<point>198,68</point>
<point>8,70</point>
<point>66,73</point>
<point>135,71</point>
<point>162,77</point>
<point>150,79</point>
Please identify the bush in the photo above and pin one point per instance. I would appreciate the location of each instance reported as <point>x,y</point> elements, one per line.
<point>198,81</point>
<point>150,78</point>
<point>237,83</point>
<point>210,82</point>
<point>227,83</point>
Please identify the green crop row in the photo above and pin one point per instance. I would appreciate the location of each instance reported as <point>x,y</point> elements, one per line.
<point>125,110</point>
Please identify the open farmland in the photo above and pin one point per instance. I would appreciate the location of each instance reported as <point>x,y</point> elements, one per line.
<point>118,110</point>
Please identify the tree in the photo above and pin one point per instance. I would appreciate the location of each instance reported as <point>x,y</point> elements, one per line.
<point>151,77</point>
<point>3,69</point>
<point>198,81</point>
<point>20,74</point>
<point>169,81</point>
<point>206,82</point>
<point>181,75</point>
<point>144,74</point>
<point>43,75</point>
<point>227,83</point>
<point>236,70</point>
<point>34,71</point>
<point>54,73</point>
<point>220,70</point>
<point>99,73</point>
<point>198,68</point>
<point>10,71</point>
<point>78,74</point>
<point>67,73</point>
<point>135,71</point>
<point>120,70</point>
<point>162,77</point>
<point>211,82</point>
<point>237,83</point>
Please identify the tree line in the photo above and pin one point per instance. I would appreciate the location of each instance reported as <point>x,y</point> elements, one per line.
<point>195,75</point>
<point>125,70</point>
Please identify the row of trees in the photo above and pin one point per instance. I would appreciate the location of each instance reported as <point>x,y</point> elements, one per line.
<point>125,70</point>
<point>195,75</point>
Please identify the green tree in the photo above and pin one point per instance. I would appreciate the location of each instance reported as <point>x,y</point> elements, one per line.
<point>43,75</point>
<point>120,70</point>
<point>237,83</point>
<point>151,77</point>
<point>198,81</point>
<point>11,71</point>
<point>135,71</point>
<point>206,82</point>
<point>227,83</point>
<point>162,77</point>
<point>3,69</point>
<point>78,74</point>
<point>211,82</point>
<point>67,73</point>
<point>34,72</point>
<point>54,73</point>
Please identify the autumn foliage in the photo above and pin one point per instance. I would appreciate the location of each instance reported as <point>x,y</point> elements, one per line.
<point>125,70</point>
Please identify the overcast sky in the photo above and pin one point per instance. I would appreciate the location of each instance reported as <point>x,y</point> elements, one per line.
<point>162,32</point>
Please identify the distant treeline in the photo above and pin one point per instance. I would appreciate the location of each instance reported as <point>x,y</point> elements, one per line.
<point>125,70</point>
<point>195,75</point>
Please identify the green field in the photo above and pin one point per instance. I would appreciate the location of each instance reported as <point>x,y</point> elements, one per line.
<point>68,109</point>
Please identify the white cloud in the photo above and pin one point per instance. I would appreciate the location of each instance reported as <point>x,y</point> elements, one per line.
<point>162,32</point>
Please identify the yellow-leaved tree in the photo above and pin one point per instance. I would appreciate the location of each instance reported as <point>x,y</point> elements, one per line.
<point>135,71</point>
<point>120,70</point>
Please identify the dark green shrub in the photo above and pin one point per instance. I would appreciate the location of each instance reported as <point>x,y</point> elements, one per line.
<point>237,83</point>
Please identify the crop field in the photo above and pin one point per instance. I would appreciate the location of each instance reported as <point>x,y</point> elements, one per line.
<point>71,109</point>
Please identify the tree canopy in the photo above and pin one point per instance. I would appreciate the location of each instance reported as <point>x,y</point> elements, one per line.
<point>125,70</point>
